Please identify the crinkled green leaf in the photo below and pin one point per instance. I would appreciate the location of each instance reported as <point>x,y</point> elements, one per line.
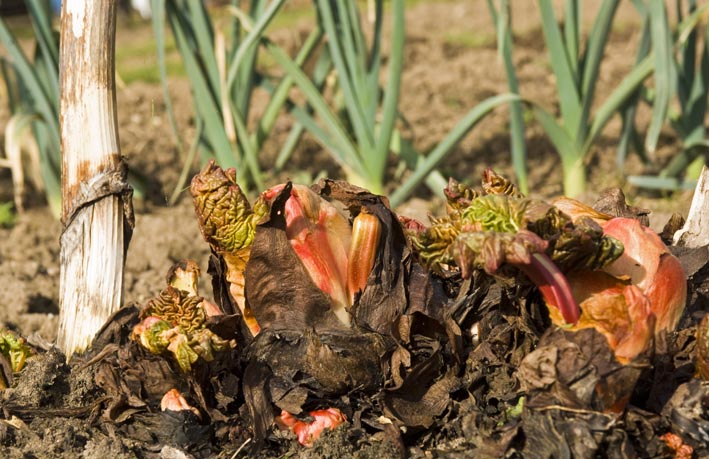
<point>459,195</point>
<point>226,218</point>
<point>494,212</point>
<point>15,349</point>
<point>489,250</point>
<point>432,243</point>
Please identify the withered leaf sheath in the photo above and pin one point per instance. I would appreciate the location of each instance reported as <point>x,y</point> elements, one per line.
<point>303,343</point>
<point>385,296</point>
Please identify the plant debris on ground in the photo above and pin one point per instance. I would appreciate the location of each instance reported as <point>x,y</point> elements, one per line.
<point>455,341</point>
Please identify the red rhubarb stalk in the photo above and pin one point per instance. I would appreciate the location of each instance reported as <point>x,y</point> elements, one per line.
<point>553,285</point>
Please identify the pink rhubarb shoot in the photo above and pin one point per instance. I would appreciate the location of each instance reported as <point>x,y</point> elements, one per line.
<point>553,285</point>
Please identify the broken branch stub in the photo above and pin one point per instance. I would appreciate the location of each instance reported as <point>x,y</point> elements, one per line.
<point>96,198</point>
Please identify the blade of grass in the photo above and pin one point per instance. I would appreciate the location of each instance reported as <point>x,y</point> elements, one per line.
<point>289,145</point>
<point>319,76</point>
<point>336,131</point>
<point>9,78</point>
<point>45,107</point>
<point>246,76</point>
<point>688,51</point>
<point>661,183</point>
<point>187,165</point>
<point>48,44</point>
<point>569,97</point>
<point>365,138</point>
<point>252,39</point>
<point>158,18</point>
<point>280,94</point>
<point>680,162</point>
<point>441,150</point>
<point>207,106</point>
<point>203,36</point>
<point>591,63</point>
<point>390,104</point>
<point>368,61</point>
<point>629,135</point>
<point>572,26</point>
<point>16,139</point>
<point>517,140</point>
<point>620,95</point>
<point>664,65</point>
<point>375,63</point>
<point>695,107</point>
<point>558,135</point>
<point>250,153</point>
<point>355,59</point>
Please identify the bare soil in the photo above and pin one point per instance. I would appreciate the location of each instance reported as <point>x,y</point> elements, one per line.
<point>451,64</point>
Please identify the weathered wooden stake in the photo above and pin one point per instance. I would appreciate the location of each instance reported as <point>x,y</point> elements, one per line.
<point>695,232</point>
<point>96,199</point>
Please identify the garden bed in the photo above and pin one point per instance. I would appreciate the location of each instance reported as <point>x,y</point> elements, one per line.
<point>60,410</point>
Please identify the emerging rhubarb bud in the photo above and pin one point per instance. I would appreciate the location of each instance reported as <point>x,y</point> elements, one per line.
<point>642,291</point>
<point>320,235</point>
<point>226,218</point>
<point>174,401</point>
<point>493,231</point>
<point>494,183</point>
<point>228,224</point>
<point>616,309</point>
<point>13,348</point>
<point>366,230</point>
<point>175,320</point>
<point>651,267</point>
<point>309,431</point>
<point>458,195</point>
<point>676,444</point>
<point>150,332</point>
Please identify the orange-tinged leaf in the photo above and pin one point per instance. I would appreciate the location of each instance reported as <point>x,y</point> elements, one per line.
<point>618,310</point>
<point>320,235</point>
<point>366,230</point>
<point>236,264</point>
<point>174,401</point>
<point>651,267</point>
<point>576,209</point>
<point>308,432</point>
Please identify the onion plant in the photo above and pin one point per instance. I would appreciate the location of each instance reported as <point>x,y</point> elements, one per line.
<point>360,139</point>
<point>576,71</point>
<point>501,17</point>
<point>687,77</point>
<point>33,95</point>
<point>221,60</point>
<point>360,132</point>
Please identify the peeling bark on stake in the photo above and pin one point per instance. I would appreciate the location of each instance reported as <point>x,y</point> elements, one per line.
<point>695,232</point>
<point>96,198</point>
